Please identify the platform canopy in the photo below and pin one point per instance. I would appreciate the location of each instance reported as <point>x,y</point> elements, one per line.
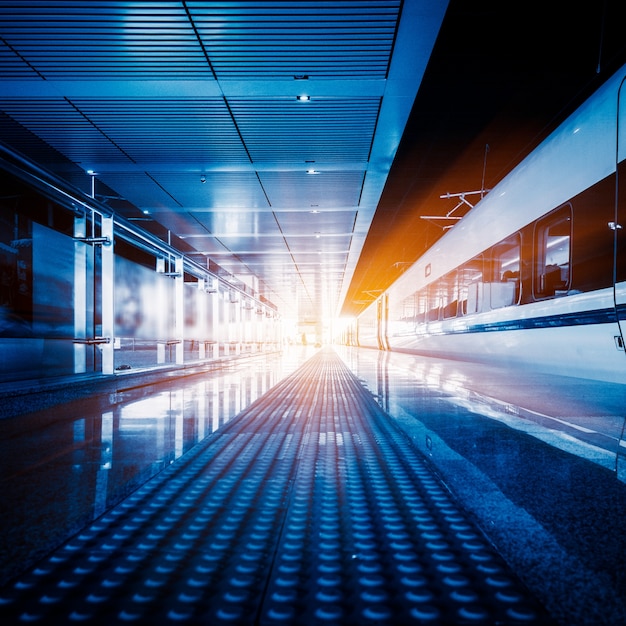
<point>255,134</point>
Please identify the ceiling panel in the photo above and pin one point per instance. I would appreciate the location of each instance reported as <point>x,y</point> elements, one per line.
<point>14,66</point>
<point>139,188</point>
<point>316,221</point>
<point>311,262</point>
<point>318,130</point>
<point>321,190</point>
<point>253,244</point>
<point>98,40</point>
<point>65,128</point>
<point>305,38</point>
<point>281,263</point>
<point>234,222</point>
<point>188,113</point>
<point>318,243</point>
<point>235,190</point>
<point>197,131</point>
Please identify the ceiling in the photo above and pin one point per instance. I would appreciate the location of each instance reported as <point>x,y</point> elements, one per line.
<point>188,114</point>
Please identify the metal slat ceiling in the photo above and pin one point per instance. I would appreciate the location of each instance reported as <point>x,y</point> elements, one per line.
<point>104,40</point>
<point>341,129</point>
<point>321,39</point>
<point>156,97</point>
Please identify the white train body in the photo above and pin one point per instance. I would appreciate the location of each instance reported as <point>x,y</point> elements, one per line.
<point>535,274</point>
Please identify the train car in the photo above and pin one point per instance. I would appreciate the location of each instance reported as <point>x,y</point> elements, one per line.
<point>535,274</point>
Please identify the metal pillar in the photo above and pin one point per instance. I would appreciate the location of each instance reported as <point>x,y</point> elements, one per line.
<point>214,321</point>
<point>80,295</point>
<point>179,314</point>
<point>108,287</point>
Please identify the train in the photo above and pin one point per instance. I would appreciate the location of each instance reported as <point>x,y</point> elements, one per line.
<point>534,275</point>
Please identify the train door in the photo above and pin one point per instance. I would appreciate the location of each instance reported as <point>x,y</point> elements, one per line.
<point>619,224</point>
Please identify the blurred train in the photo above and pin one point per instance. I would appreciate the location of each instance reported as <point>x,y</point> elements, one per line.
<point>535,274</point>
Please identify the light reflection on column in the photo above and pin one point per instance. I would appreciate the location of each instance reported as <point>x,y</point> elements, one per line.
<point>176,414</point>
<point>214,405</point>
<point>162,445</point>
<point>106,463</point>
<point>247,392</point>
<point>201,409</point>
<point>220,404</point>
<point>235,399</point>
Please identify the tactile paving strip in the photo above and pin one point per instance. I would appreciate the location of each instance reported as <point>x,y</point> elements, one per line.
<point>309,508</point>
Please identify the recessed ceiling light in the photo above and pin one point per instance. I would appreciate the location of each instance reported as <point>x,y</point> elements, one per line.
<point>303,98</point>
<point>312,172</point>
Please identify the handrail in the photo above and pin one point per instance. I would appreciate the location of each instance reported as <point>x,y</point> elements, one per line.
<point>75,199</point>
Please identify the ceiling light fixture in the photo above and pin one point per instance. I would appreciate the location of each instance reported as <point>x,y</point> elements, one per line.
<point>312,172</point>
<point>303,98</point>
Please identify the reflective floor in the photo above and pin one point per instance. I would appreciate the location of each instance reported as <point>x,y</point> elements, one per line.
<point>584,417</point>
<point>537,462</point>
<point>63,467</point>
<point>309,508</point>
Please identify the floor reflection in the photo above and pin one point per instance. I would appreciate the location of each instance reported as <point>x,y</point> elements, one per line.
<point>582,417</point>
<point>536,459</point>
<point>63,467</point>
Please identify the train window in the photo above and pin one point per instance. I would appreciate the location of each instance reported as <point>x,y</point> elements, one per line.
<point>470,281</point>
<point>408,308</point>
<point>449,295</point>
<point>421,305</point>
<point>434,302</point>
<point>505,267</point>
<point>553,237</point>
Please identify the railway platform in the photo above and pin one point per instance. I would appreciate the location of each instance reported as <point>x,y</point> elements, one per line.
<point>311,506</point>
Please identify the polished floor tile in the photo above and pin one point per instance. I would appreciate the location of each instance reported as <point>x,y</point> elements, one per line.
<point>530,466</point>
<point>310,507</point>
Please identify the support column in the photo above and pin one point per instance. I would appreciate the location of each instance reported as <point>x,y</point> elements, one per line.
<point>238,325</point>
<point>80,295</point>
<point>179,303</point>
<point>201,321</point>
<point>108,288</point>
<point>257,319</point>
<point>215,321</point>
